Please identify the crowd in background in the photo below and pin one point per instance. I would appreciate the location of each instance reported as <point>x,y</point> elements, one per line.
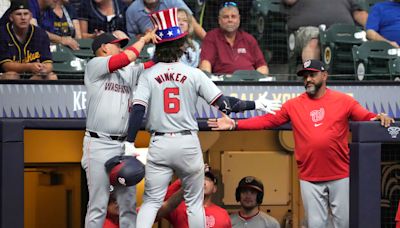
<point>219,41</point>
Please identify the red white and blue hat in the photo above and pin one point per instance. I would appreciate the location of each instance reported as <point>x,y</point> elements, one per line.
<point>167,24</point>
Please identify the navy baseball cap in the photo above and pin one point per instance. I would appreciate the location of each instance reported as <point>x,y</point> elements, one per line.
<point>311,65</point>
<point>107,38</point>
<point>18,4</point>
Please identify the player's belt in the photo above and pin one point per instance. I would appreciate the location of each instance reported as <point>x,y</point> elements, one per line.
<point>185,132</point>
<point>112,137</point>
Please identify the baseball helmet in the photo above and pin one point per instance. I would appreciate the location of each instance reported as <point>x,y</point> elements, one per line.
<point>124,170</point>
<point>250,182</point>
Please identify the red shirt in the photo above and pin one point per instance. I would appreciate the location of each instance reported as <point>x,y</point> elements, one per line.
<point>398,216</point>
<point>244,55</point>
<point>111,222</point>
<point>216,217</point>
<point>320,129</point>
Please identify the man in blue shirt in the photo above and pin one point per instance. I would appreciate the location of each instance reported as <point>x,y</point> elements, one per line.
<point>138,20</point>
<point>384,22</point>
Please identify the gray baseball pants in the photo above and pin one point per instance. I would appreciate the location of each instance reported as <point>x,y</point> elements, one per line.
<point>169,153</point>
<point>326,202</point>
<point>96,151</point>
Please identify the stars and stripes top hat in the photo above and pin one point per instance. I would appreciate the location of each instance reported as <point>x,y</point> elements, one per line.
<point>167,25</point>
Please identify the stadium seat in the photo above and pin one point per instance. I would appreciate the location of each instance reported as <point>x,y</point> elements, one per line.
<point>394,67</point>
<point>268,25</point>
<point>85,51</point>
<point>336,43</point>
<point>372,60</point>
<point>65,64</point>
<point>244,75</point>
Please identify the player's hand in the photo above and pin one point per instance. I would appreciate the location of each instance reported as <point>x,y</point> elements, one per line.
<point>266,105</point>
<point>223,123</point>
<point>384,118</point>
<point>129,149</point>
<point>151,36</point>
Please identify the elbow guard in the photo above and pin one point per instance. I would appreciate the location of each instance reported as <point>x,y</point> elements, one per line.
<point>223,105</point>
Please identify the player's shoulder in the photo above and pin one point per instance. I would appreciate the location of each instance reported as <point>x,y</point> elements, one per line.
<point>269,219</point>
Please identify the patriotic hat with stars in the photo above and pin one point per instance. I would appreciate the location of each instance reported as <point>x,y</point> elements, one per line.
<point>167,25</point>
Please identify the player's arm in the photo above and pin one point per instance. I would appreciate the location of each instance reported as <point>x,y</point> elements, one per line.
<point>135,121</point>
<point>173,198</point>
<point>262,104</point>
<point>131,53</point>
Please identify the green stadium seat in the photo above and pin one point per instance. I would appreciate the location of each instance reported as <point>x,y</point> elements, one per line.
<point>336,44</point>
<point>244,75</point>
<point>85,51</point>
<point>65,64</point>
<point>394,67</point>
<point>268,25</point>
<point>372,60</point>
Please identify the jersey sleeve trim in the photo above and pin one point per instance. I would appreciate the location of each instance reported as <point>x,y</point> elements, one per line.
<point>139,102</point>
<point>215,98</point>
<point>5,61</point>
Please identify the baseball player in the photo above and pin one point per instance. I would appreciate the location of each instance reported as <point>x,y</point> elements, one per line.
<point>249,193</point>
<point>170,90</point>
<point>320,120</point>
<point>110,80</point>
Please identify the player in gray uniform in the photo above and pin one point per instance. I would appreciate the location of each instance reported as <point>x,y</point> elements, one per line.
<point>250,193</point>
<point>170,90</point>
<point>110,81</point>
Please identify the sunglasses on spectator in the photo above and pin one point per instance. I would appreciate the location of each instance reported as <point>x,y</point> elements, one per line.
<point>227,4</point>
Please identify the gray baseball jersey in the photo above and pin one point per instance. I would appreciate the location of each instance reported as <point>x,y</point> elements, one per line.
<point>108,96</point>
<point>170,92</point>
<point>261,220</point>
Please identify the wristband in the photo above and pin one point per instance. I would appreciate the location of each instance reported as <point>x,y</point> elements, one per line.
<point>132,48</point>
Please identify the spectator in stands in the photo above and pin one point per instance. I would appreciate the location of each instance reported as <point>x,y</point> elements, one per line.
<point>100,16</point>
<point>228,48</point>
<point>306,15</point>
<point>66,21</point>
<point>191,56</point>
<point>384,22</point>
<point>249,193</point>
<point>43,16</point>
<point>138,21</point>
<point>210,19</point>
<point>24,48</point>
